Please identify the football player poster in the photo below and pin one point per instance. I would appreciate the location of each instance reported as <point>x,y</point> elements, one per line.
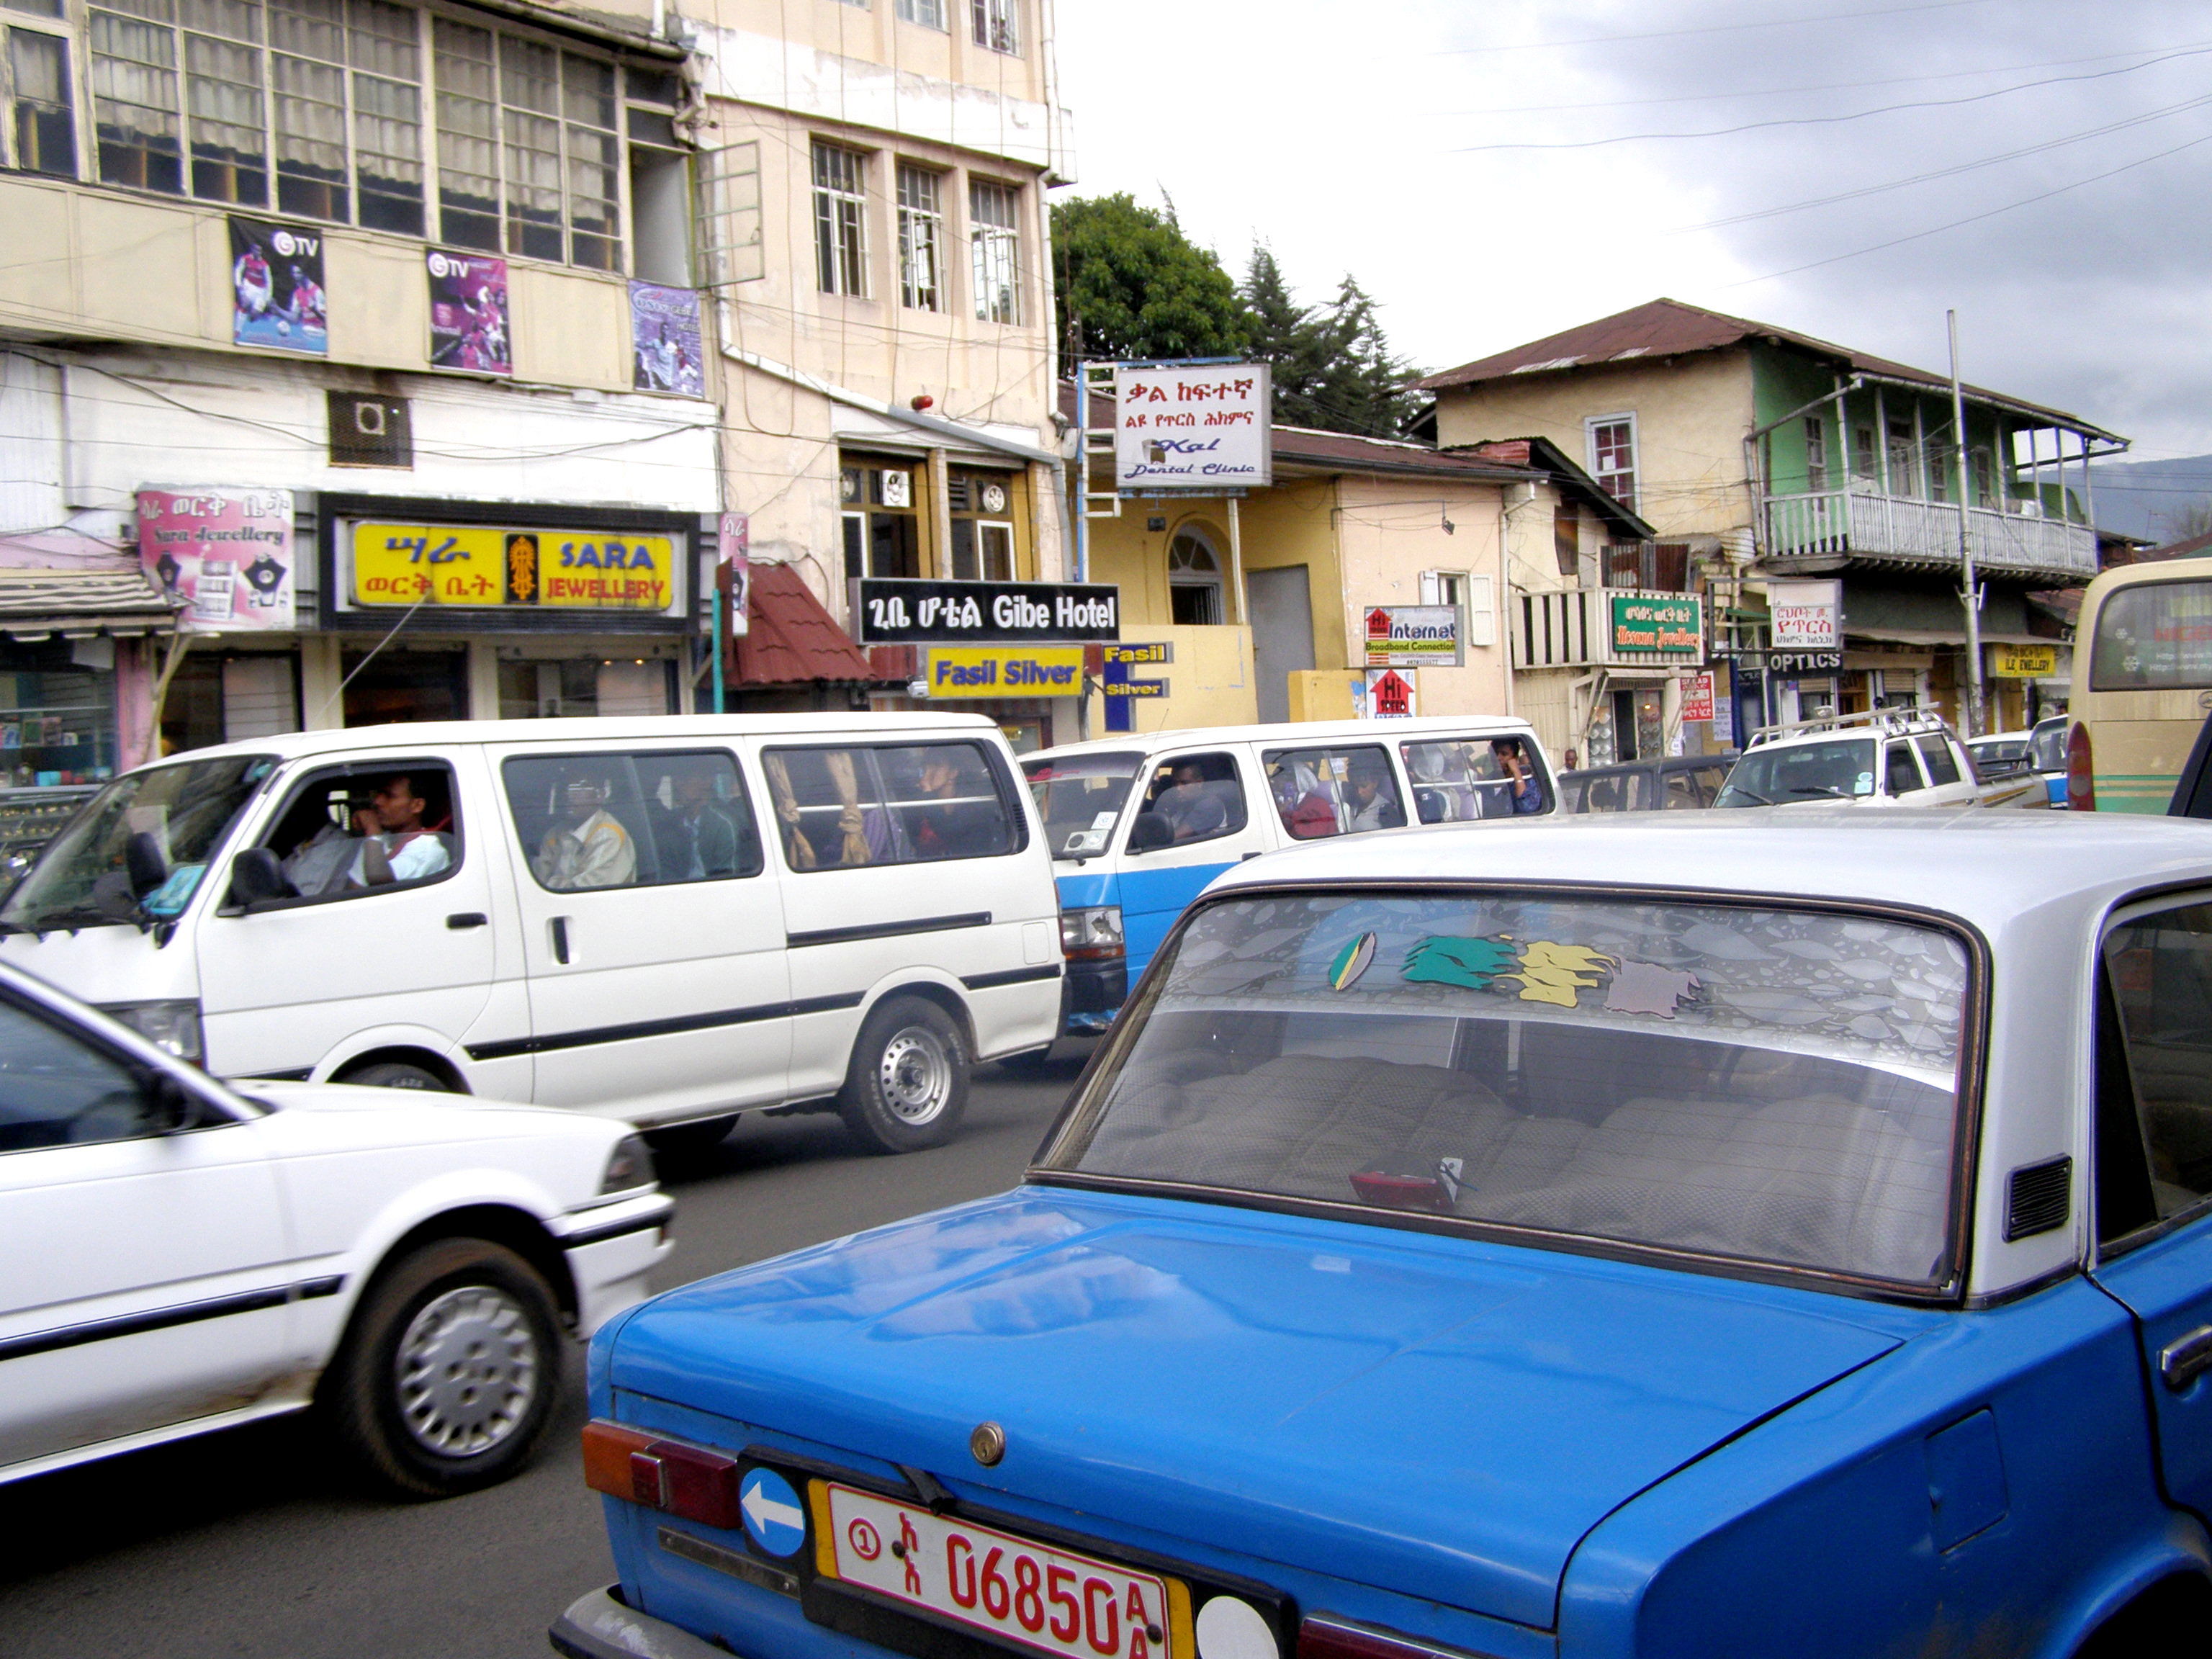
<point>277,296</point>
<point>663,325</point>
<point>468,313</point>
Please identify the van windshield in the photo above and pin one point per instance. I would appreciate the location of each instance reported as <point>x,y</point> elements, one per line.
<point>1838,770</point>
<point>1079,797</point>
<point>88,875</point>
<point>1771,1085</point>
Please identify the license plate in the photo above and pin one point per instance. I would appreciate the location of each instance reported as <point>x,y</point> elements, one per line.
<point>1021,1591</point>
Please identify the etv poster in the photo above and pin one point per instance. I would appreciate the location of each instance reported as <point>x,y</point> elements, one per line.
<point>664,333</point>
<point>468,313</point>
<point>276,297</point>
<point>225,553</point>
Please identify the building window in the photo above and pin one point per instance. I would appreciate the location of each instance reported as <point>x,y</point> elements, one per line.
<point>882,517</point>
<point>528,156</point>
<point>922,238</point>
<point>44,122</point>
<point>995,243</point>
<point>841,244</point>
<point>1613,456</point>
<point>930,14</point>
<point>983,507</point>
<point>1194,580</point>
<point>1903,459</point>
<point>134,98</point>
<point>1816,454</point>
<point>1984,470</point>
<point>1866,460</point>
<point>995,25</point>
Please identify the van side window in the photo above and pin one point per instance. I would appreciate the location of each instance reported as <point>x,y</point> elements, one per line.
<point>1200,797</point>
<point>356,831</point>
<point>1936,752</point>
<point>1334,792</point>
<point>2158,967</point>
<point>841,808</point>
<point>1456,778</point>
<point>1901,776</point>
<point>640,818</point>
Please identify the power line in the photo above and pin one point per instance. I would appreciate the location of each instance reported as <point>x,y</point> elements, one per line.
<point>1945,173</point>
<point>1831,121</point>
<point>2026,201</point>
<point>1711,28</point>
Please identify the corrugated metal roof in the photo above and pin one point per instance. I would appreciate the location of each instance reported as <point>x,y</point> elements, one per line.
<point>34,604</point>
<point>1668,328</point>
<point>791,639</point>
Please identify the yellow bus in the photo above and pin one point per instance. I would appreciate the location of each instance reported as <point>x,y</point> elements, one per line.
<point>2142,684</point>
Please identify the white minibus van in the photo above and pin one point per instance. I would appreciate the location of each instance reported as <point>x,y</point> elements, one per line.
<point>667,920</point>
<point>1138,824</point>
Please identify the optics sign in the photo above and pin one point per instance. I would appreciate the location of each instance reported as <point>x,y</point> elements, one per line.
<point>1193,428</point>
<point>1671,627</point>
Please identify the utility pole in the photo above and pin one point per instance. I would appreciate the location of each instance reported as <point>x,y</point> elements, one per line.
<point>1969,590</point>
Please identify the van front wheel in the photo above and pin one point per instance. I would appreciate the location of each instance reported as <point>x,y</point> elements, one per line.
<point>908,1084</point>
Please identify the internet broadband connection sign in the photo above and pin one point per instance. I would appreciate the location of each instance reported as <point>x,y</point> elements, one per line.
<point>1188,427</point>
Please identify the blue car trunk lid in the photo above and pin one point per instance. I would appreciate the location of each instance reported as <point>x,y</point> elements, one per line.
<point>1435,1416</point>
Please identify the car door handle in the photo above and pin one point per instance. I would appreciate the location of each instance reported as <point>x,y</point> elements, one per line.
<point>2183,1360</point>
<point>561,939</point>
<point>467,919</point>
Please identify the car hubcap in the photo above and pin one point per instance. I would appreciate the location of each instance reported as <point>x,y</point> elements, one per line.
<point>468,1370</point>
<point>916,1074</point>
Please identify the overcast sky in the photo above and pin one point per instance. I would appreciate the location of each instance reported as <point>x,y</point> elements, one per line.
<point>1352,136</point>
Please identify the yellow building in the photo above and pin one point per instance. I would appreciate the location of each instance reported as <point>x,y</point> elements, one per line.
<point>1263,601</point>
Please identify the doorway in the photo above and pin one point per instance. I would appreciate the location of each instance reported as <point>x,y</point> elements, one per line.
<point>396,686</point>
<point>1194,580</point>
<point>1282,632</point>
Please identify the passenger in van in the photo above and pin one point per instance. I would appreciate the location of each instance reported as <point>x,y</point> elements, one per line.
<point>592,849</point>
<point>1304,804</point>
<point>1373,797</point>
<point>703,837</point>
<point>1526,794</point>
<point>389,843</point>
<point>1194,809</point>
<point>946,827</point>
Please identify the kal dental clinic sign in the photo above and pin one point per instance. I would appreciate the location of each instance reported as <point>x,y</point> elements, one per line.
<point>1671,627</point>
<point>1190,426</point>
<point>895,611</point>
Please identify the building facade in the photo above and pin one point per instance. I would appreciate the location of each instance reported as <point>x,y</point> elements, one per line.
<point>388,294</point>
<point>1759,455</point>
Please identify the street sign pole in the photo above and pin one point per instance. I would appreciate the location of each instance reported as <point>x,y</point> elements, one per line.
<point>1969,592</point>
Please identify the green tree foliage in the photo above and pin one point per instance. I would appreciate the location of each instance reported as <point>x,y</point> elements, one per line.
<point>1290,338</point>
<point>1128,283</point>
<point>1362,386</point>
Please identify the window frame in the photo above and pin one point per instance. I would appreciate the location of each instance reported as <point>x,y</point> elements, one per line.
<point>632,754</point>
<point>1592,426</point>
<point>1003,786</point>
<point>68,39</point>
<point>999,18</point>
<point>1340,752</point>
<point>2106,1021</point>
<point>839,208</point>
<point>922,228</point>
<point>1163,773</point>
<point>994,250</point>
<point>227,906</point>
<point>1970,1080</point>
<point>909,11</point>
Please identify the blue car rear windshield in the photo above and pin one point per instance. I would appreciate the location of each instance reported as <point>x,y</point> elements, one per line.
<point>1773,1086</point>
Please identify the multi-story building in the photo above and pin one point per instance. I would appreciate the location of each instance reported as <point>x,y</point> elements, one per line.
<point>398,297</point>
<point>873,179</point>
<point>1758,454</point>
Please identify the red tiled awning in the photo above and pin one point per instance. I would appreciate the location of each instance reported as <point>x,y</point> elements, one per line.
<point>792,640</point>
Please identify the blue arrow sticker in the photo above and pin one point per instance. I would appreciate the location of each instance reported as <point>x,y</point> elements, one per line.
<point>774,1519</point>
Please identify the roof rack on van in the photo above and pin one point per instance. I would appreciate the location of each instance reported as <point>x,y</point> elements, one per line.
<point>1888,722</point>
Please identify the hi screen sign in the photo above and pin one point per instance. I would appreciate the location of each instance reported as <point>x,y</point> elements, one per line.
<point>1671,627</point>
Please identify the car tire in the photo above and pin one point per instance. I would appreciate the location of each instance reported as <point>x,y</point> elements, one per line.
<point>908,1083</point>
<point>397,1074</point>
<point>448,1375</point>
<point>691,1140</point>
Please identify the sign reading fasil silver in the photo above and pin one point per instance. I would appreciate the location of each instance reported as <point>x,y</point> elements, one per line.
<point>891,610</point>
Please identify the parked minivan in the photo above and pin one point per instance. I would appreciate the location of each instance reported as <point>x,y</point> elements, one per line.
<point>1138,824</point>
<point>667,920</point>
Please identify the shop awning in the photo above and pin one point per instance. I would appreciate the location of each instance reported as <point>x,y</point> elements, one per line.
<point>78,605</point>
<point>792,640</point>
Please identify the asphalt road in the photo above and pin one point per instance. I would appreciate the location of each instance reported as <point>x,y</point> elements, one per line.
<point>252,1544</point>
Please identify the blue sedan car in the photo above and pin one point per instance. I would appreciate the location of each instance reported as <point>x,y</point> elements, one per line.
<point>1691,1235</point>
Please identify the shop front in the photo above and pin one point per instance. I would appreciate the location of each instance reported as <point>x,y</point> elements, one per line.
<point>438,611</point>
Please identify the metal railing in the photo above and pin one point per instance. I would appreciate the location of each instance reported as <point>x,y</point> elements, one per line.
<point>1572,628</point>
<point>1849,522</point>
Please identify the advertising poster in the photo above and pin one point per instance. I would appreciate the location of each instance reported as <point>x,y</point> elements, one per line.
<point>1198,428</point>
<point>1413,637</point>
<point>276,297</point>
<point>663,337</point>
<point>1698,697</point>
<point>468,313</point>
<point>1391,695</point>
<point>734,572</point>
<point>225,553</point>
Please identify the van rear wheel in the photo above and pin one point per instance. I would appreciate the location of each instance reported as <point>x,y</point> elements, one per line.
<point>907,1084</point>
<point>397,1074</point>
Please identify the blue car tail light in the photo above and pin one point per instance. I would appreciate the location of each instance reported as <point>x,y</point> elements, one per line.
<point>1320,1637</point>
<point>684,1481</point>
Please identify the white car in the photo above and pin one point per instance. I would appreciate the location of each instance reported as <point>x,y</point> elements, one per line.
<point>177,1257</point>
<point>1882,757</point>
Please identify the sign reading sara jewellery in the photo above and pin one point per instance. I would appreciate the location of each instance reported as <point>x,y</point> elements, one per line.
<point>1188,427</point>
<point>405,564</point>
<point>227,554</point>
<point>1807,616</point>
<point>1031,1594</point>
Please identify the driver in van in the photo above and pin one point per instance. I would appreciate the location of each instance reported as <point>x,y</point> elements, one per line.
<point>1193,812</point>
<point>592,848</point>
<point>388,844</point>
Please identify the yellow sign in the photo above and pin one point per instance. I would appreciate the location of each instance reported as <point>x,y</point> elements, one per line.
<point>2023,662</point>
<point>1005,670</point>
<point>403,564</point>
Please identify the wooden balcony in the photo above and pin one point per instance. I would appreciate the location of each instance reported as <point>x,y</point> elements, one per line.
<point>1586,627</point>
<point>1819,530</point>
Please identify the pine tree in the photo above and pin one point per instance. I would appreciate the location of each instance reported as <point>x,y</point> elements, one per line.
<point>1286,335</point>
<point>1362,385</point>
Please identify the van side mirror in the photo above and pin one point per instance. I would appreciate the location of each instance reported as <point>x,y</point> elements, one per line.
<point>143,863</point>
<point>256,877</point>
<point>170,1107</point>
<point>1150,832</point>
